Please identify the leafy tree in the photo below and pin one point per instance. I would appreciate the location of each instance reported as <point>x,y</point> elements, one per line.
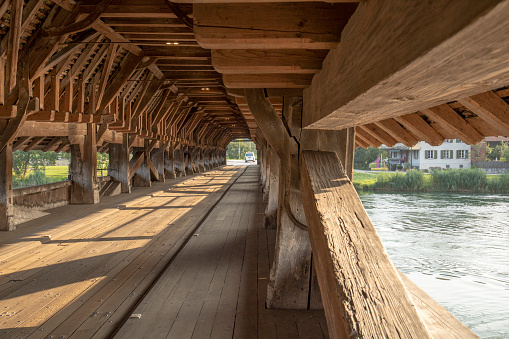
<point>23,161</point>
<point>363,157</point>
<point>232,151</point>
<point>500,152</point>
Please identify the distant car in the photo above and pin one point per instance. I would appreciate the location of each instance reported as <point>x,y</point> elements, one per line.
<point>250,157</point>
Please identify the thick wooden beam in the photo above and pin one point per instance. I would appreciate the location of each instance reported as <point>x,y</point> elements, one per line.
<point>275,25</point>
<point>119,164</point>
<point>396,131</point>
<point>125,70</point>
<point>13,46</point>
<point>83,169</point>
<point>267,80</point>
<point>450,120</point>
<point>256,61</point>
<point>399,57</point>
<point>6,202</point>
<point>361,290</point>
<point>491,108</point>
<point>418,126</point>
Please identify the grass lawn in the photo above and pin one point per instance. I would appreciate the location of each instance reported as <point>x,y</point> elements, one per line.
<point>361,178</point>
<point>57,172</point>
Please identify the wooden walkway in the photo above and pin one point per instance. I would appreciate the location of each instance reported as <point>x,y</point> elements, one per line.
<point>190,256</point>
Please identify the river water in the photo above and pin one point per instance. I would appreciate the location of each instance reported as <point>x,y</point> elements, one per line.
<point>455,247</point>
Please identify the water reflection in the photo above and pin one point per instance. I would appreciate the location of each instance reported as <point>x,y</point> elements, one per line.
<point>455,247</point>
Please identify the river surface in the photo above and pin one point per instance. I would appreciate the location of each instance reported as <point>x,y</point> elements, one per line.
<point>455,247</point>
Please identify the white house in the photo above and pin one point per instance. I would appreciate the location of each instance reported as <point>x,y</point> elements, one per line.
<point>453,153</point>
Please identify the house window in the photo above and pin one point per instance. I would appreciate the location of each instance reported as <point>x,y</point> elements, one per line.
<point>446,154</point>
<point>461,166</point>
<point>449,140</point>
<point>430,154</point>
<point>461,154</point>
<point>458,141</point>
<point>394,154</point>
<point>416,154</point>
<point>447,166</point>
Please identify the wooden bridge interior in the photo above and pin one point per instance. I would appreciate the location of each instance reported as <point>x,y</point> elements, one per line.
<point>163,87</point>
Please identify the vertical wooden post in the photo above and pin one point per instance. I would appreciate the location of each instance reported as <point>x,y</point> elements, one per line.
<point>13,46</point>
<point>266,174</point>
<point>119,164</point>
<point>362,292</point>
<point>142,176</point>
<point>158,159</point>
<point>169,162</point>
<point>189,161</point>
<point>270,218</point>
<point>84,189</point>
<point>6,199</point>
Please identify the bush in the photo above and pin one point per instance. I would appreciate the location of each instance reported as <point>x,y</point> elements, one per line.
<point>459,180</point>
<point>372,165</point>
<point>499,184</point>
<point>411,181</point>
<point>380,169</point>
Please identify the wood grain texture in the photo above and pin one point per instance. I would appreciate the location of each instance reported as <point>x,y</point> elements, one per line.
<point>362,292</point>
<point>400,57</point>
<point>491,108</point>
<point>270,25</point>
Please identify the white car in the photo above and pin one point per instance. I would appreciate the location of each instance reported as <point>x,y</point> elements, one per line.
<point>250,157</point>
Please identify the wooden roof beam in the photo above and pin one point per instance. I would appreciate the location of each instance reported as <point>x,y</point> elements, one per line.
<point>450,120</point>
<point>395,130</point>
<point>491,108</point>
<point>267,80</point>
<point>418,126</point>
<point>256,61</point>
<point>315,25</point>
<point>397,57</point>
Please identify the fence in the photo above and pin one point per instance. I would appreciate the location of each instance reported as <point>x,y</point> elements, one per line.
<point>492,167</point>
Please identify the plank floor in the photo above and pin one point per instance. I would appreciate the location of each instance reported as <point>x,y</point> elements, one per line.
<point>216,286</point>
<point>81,271</point>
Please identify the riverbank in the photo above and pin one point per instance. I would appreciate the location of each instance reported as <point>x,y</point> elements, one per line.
<point>465,180</point>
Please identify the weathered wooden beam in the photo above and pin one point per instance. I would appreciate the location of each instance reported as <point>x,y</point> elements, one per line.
<point>6,199</point>
<point>396,131</point>
<point>270,25</point>
<point>450,120</point>
<point>418,126</point>
<point>367,78</point>
<point>83,169</point>
<point>491,108</point>
<point>36,141</point>
<point>361,290</point>
<point>105,72</point>
<point>82,24</point>
<point>267,80</point>
<point>125,70</point>
<point>119,164</point>
<point>13,46</point>
<point>256,61</point>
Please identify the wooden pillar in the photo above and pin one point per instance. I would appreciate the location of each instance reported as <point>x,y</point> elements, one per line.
<point>180,162</point>
<point>361,290</point>
<point>84,189</point>
<point>158,159</point>
<point>142,176</point>
<point>200,163</point>
<point>270,219</point>
<point>169,162</point>
<point>189,163</point>
<point>119,164</point>
<point>6,199</point>
<point>266,174</point>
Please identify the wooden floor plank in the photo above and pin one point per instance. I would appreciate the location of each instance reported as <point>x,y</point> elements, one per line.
<point>89,276</point>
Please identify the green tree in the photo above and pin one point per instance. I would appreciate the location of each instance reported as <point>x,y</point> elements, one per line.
<point>23,162</point>
<point>363,157</point>
<point>232,151</point>
<point>499,152</point>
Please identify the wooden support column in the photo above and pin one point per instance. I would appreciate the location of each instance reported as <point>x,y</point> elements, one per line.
<point>119,164</point>
<point>6,202</point>
<point>201,160</point>
<point>142,176</point>
<point>188,163</point>
<point>270,219</point>
<point>158,158</point>
<point>84,189</point>
<point>290,275</point>
<point>169,162</point>
<point>363,295</point>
